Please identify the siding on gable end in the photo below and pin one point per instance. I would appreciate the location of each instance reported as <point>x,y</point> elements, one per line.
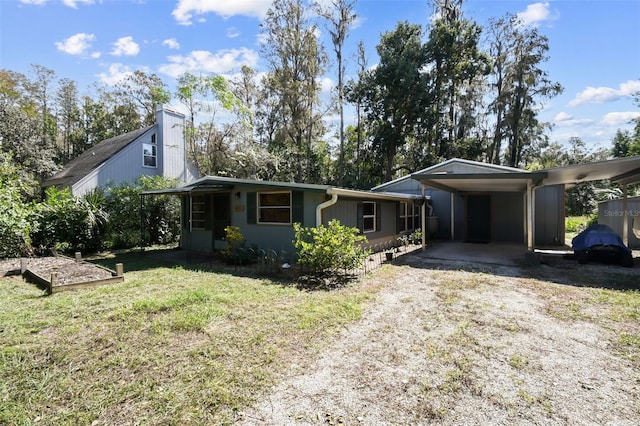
<point>172,154</point>
<point>124,167</point>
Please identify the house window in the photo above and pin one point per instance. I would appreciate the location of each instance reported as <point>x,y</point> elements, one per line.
<point>416,217</point>
<point>368,217</point>
<point>197,212</point>
<point>404,225</point>
<point>274,207</point>
<point>409,217</point>
<point>149,154</point>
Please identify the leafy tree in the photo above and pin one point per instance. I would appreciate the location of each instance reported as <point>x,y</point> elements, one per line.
<point>21,136</point>
<point>458,68</point>
<point>40,90</point>
<point>146,92</point>
<point>394,96</point>
<point>296,60</point>
<point>68,119</point>
<point>15,212</point>
<point>209,144</point>
<point>339,16</point>
<point>581,198</point>
<point>627,143</point>
<point>519,82</point>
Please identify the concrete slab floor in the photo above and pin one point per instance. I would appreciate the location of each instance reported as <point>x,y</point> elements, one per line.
<point>509,254</point>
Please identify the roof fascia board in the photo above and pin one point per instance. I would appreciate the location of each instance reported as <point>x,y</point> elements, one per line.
<point>533,176</point>
<point>353,193</point>
<point>436,185</point>
<point>233,181</point>
<point>632,176</point>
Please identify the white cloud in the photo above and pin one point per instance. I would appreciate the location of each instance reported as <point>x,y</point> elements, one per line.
<point>186,9</point>
<point>35,2</point>
<point>618,118</point>
<point>598,95</point>
<point>536,13</point>
<point>327,85</point>
<point>564,119</point>
<point>232,32</point>
<point>171,43</point>
<point>74,3</point>
<point>77,44</point>
<point>115,74</point>
<point>201,60</point>
<point>125,46</point>
<point>69,3</point>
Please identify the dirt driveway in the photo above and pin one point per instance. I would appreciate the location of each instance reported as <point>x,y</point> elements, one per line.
<point>448,343</point>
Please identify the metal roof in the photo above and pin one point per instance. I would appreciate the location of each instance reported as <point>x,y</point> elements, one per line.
<point>490,177</point>
<point>625,170</point>
<point>220,183</point>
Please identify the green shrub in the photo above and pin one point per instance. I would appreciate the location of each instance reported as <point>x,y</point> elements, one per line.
<point>160,223</point>
<point>329,249</point>
<point>69,223</point>
<point>580,223</point>
<point>236,251</point>
<point>416,236</point>
<point>15,223</point>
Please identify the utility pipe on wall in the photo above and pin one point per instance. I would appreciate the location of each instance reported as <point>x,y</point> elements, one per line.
<point>324,205</point>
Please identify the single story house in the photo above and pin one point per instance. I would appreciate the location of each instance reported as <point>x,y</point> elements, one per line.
<point>157,150</point>
<point>458,200</point>
<point>266,211</point>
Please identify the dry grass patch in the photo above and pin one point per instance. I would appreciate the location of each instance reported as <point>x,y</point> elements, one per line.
<point>170,345</point>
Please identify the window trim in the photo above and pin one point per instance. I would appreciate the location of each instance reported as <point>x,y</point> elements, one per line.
<point>411,217</point>
<point>417,212</point>
<point>152,155</point>
<point>404,207</point>
<point>260,208</point>
<point>203,211</point>
<point>369,216</point>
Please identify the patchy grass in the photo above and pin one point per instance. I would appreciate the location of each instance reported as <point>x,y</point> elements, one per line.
<point>169,346</point>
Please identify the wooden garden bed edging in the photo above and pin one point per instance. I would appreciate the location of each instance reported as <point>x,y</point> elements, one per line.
<point>53,285</point>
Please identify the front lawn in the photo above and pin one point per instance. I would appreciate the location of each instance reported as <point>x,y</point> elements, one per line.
<point>169,346</point>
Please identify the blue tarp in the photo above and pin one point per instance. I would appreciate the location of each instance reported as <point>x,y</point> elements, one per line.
<point>597,235</point>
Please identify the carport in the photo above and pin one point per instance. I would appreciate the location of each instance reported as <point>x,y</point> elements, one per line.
<point>473,179</point>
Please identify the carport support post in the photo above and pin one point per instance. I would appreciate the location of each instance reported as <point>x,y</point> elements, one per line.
<point>625,216</point>
<point>453,216</point>
<point>141,222</point>
<point>530,213</point>
<point>424,220</point>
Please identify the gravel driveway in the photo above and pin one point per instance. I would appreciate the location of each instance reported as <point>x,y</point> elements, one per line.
<point>448,343</point>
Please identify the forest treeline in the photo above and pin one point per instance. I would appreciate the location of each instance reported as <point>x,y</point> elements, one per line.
<point>444,88</point>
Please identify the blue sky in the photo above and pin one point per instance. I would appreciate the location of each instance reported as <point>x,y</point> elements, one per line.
<point>594,45</point>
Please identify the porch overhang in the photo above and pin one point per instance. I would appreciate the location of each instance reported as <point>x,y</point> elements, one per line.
<point>188,190</point>
<point>481,182</point>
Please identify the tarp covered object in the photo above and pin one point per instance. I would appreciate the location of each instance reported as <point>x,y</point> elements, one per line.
<point>597,235</point>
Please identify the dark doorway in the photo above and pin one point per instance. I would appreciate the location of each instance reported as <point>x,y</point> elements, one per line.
<point>221,214</point>
<point>478,218</point>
